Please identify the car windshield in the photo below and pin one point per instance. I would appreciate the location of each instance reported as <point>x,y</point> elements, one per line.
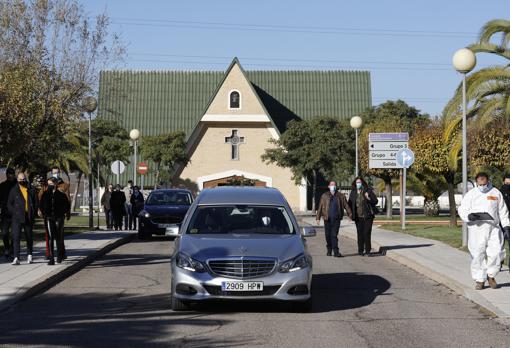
<point>240,219</point>
<point>169,198</point>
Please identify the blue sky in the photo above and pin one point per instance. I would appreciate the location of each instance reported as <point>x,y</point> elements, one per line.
<point>406,45</point>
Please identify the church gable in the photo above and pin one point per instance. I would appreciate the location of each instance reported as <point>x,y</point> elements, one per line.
<point>235,96</point>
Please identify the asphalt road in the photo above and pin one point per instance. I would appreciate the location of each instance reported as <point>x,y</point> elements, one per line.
<point>122,300</point>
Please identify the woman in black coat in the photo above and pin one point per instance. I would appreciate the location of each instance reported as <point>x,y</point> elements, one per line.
<point>363,201</point>
<point>137,202</point>
<point>117,200</point>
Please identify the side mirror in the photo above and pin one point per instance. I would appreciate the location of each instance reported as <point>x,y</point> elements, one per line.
<point>308,231</point>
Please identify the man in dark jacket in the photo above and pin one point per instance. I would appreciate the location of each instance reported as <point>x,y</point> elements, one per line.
<point>331,209</point>
<point>22,205</point>
<point>137,203</point>
<point>105,202</point>
<point>5,217</point>
<point>54,208</point>
<point>117,201</point>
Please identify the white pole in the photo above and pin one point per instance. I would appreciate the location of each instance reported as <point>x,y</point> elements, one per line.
<point>134,166</point>
<point>118,173</point>
<point>357,171</point>
<point>404,180</point>
<point>464,155</point>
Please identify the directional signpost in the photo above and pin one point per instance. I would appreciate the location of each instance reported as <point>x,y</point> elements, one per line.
<point>383,148</point>
<point>391,151</point>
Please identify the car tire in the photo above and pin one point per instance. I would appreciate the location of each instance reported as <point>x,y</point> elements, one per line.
<point>142,235</point>
<point>302,306</point>
<point>178,305</point>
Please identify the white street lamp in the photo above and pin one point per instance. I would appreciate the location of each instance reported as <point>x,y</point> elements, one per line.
<point>356,123</point>
<point>89,105</point>
<point>134,134</point>
<point>464,60</point>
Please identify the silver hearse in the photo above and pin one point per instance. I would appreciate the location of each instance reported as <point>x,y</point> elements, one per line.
<point>241,243</point>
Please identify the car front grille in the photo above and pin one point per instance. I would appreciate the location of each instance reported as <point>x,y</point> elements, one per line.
<point>216,291</point>
<point>167,220</point>
<point>242,268</point>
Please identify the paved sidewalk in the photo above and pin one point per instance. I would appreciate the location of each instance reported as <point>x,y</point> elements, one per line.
<point>438,261</point>
<point>23,281</point>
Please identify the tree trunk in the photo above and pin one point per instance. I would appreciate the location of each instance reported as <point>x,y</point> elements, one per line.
<point>75,194</point>
<point>451,201</point>
<point>314,191</point>
<point>156,182</point>
<point>389,198</point>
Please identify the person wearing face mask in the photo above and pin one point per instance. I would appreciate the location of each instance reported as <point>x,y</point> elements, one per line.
<point>483,209</point>
<point>331,209</point>
<point>117,200</point>
<point>363,201</point>
<point>54,208</point>
<point>22,205</point>
<point>137,202</point>
<point>105,202</point>
<point>5,217</point>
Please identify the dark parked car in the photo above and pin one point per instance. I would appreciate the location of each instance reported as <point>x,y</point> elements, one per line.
<point>163,212</point>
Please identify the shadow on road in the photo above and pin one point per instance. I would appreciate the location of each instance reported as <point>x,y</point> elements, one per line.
<point>383,249</point>
<point>341,291</point>
<point>110,320</point>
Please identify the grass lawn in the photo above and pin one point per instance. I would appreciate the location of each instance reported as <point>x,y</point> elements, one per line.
<point>414,218</point>
<point>77,224</point>
<point>445,234</point>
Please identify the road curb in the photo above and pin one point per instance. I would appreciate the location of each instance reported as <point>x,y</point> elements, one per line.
<point>48,281</point>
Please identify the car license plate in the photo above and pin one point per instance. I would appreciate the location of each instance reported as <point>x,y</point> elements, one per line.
<point>242,286</point>
<point>164,225</point>
<point>172,230</point>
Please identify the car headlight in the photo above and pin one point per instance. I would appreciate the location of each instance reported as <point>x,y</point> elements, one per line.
<point>295,264</point>
<point>145,214</point>
<point>185,262</point>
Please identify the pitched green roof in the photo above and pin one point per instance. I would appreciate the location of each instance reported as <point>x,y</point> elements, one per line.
<point>161,101</point>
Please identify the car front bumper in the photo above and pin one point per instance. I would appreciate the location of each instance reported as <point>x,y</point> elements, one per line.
<point>206,286</point>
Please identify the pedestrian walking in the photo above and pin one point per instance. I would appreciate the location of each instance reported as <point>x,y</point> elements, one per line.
<point>105,202</point>
<point>5,216</point>
<point>55,207</point>
<point>22,205</point>
<point>483,209</point>
<point>331,209</point>
<point>363,201</point>
<point>137,202</point>
<point>117,205</point>
<point>128,217</point>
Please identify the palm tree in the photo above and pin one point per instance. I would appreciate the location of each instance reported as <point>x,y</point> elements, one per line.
<point>488,89</point>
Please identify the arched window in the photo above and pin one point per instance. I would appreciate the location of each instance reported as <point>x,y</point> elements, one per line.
<point>235,100</point>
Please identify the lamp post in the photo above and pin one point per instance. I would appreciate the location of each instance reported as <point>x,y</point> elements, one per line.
<point>134,135</point>
<point>89,106</point>
<point>464,60</point>
<point>356,123</point>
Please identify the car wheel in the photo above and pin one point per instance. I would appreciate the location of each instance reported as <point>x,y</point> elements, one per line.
<point>142,235</point>
<point>178,305</point>
<point>302,306</point>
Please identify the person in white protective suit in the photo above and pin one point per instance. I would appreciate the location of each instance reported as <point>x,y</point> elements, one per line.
<point>485,237</point>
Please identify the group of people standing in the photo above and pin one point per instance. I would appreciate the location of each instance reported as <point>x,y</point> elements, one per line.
<point>122,204</point>
<point>361,207</point>
<point>485,209</point>
<point>21,203</point>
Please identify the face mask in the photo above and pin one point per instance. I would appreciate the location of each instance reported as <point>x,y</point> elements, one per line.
<point>56,175</point>
<point>23,183</point>
<point>332,189</point>
<point>485,188</point>
<point>359,185</point>
<point>51,187</point>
